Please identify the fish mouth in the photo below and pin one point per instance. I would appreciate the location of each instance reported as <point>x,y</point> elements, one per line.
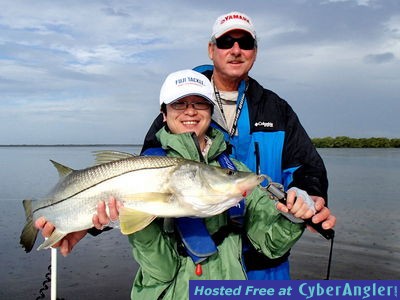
<point>248,185</point>
<point>262,177</point>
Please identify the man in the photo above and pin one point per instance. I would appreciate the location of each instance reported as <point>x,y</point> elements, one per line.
<point>261,128</point>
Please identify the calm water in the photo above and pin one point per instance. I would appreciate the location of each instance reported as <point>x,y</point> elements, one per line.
<point>363,194</point>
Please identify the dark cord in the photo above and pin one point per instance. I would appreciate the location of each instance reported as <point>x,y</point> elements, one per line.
<point>329,260</point>
<point>45,285</point>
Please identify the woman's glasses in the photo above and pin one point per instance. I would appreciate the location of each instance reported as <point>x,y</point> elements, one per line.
<point>246,42</point>
<point>181,105</point>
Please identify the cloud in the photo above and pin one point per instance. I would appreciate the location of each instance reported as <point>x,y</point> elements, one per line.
<point>358,2</point>
<point>379,58</point>
<point>68,70</point>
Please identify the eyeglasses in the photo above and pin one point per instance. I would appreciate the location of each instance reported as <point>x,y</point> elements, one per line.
<point>196,105</point>
<point>246,42</point>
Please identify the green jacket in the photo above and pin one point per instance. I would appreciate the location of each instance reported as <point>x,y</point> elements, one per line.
<point>163,272</point>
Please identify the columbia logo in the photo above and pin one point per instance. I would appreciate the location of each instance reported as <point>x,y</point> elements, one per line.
<point>264,124</point>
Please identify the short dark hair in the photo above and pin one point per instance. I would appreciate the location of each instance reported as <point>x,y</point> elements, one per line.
<point>163,108</point>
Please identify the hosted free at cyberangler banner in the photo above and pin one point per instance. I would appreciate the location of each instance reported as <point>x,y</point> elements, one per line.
<point>294,289</point>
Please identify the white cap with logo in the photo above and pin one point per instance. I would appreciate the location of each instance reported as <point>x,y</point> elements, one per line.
<point>231,21</point>
<point>184,83</point>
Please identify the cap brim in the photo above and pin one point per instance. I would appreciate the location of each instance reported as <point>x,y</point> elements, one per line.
<point>218,35</point>
<point>192,94</point>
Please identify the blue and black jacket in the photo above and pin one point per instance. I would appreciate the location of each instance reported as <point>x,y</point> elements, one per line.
<point>271,140</point>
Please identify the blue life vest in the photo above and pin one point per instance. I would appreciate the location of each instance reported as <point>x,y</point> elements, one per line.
<point>199,244</point>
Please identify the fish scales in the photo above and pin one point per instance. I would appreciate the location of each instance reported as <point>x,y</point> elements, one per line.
<point>149,186</point>
<point>80,180</point>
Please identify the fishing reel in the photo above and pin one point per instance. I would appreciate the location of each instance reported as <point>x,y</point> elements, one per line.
<point>277,192</point>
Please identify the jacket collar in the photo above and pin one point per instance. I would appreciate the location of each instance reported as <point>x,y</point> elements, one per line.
<point>185,145</point>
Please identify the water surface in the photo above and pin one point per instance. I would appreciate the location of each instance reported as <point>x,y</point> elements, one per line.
<point>363,194</point>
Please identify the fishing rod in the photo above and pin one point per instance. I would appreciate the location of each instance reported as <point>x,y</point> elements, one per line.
<point>275,190</point>
<point>53,274</point>
<point>51,277</point>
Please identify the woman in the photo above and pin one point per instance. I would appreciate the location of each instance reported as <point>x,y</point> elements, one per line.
<point>186,100</point>
<point>172,252</point>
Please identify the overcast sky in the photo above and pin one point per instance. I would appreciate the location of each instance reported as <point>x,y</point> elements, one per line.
<point>76,72</point>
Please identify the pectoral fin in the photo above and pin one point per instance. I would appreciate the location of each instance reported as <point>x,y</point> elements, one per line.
<point>55,237</point>
<point>132,220</point>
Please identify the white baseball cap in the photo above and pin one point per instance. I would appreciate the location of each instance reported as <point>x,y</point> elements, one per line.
<point>231,21</point>
<point>184,83</point>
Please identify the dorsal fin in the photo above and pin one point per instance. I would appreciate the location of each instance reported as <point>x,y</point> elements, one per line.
<point>105,156</point>
<point>62,170</point>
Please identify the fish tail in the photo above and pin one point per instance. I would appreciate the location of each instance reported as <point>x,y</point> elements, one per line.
<point>29,233</point>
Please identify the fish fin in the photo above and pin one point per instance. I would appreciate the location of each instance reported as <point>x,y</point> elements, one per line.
<point>106,156</point>
<point>131,220</point>
<point>62,170</point>
<point>55,237</point>
<point>29,232</point>
<point>150,196</point>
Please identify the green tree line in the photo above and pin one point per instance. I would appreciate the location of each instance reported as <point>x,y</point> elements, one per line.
<point>348,142</point>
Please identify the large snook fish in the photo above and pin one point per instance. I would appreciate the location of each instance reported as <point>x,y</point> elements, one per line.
<point>148,186</point>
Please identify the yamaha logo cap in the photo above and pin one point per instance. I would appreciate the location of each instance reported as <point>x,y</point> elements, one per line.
<point>233,21</point>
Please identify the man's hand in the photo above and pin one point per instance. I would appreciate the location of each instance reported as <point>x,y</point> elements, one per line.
<point>323,214</point>
<point>298,204</point>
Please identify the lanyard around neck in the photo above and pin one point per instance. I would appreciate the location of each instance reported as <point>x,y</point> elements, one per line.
<point>241,95</point>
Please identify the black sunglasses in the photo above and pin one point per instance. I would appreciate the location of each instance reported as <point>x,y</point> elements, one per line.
<point>246,42</point>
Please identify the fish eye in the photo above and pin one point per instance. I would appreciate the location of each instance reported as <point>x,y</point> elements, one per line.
<point>230,172</point>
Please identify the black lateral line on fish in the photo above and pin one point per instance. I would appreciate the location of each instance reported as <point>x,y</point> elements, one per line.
<point>97,183</point>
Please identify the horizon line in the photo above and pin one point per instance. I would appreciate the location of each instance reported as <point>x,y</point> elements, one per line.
<point>66,145</point>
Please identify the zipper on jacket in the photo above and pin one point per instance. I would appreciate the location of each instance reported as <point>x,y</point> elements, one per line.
<point>196,142</point>
<point>257,155</point>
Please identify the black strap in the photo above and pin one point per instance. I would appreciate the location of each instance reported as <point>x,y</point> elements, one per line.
<point>255,260</point>
<point>94,231</point>
<point>219,236</point>
<point>238,108</point>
